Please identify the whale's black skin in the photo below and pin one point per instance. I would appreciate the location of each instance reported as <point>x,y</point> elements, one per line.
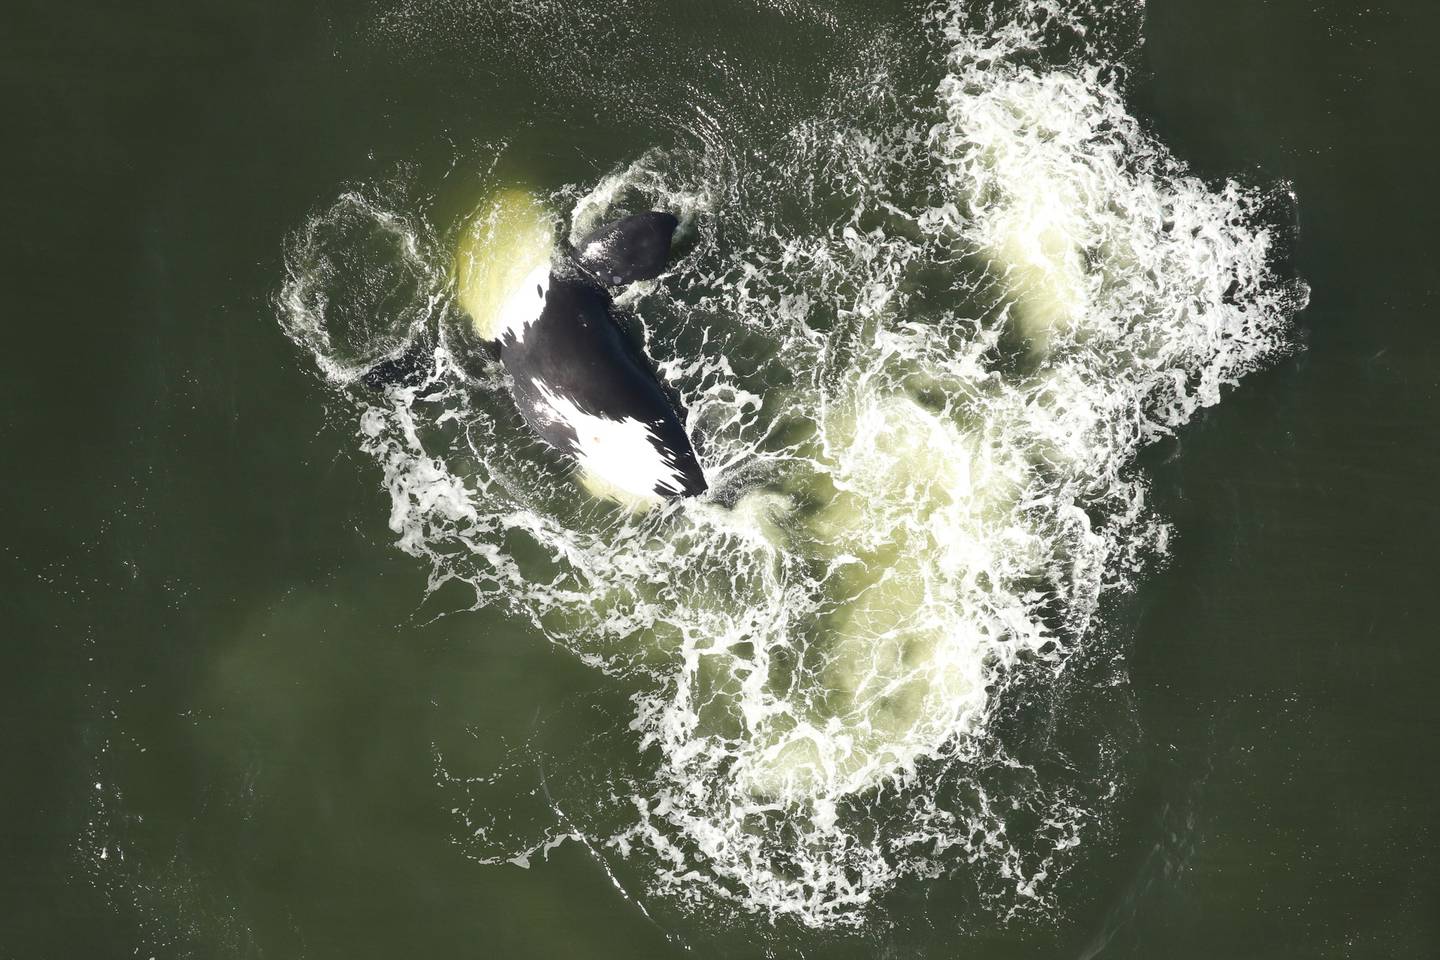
<point>575,350</point>
<point>635,248</point>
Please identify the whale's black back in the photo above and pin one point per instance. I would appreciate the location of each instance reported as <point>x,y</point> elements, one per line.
<point>575,349</point>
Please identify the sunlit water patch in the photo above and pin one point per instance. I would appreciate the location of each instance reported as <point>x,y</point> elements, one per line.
<point>922,340</point>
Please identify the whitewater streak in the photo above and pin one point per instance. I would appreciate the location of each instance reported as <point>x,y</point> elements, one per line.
<point>920,413</point>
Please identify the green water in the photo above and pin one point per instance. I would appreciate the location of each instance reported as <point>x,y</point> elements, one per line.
<point>227,691</point>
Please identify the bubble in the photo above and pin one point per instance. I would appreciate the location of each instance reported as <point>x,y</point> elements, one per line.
<point>359,283</point>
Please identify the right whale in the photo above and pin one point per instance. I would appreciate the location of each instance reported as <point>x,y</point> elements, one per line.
<point>580,382</point>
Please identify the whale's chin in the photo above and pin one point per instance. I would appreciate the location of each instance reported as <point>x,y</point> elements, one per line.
<point>601,488</point>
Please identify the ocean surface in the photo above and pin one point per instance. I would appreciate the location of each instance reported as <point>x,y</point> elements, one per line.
<point>1064,374</point>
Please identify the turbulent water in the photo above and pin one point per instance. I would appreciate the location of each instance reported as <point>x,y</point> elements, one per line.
<point>922,337</point>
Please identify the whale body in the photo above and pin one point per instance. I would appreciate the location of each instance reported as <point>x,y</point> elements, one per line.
<point>580,382</point>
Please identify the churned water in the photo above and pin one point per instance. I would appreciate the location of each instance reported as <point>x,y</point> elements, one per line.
<point>950,315</point>
<point>923,337</point>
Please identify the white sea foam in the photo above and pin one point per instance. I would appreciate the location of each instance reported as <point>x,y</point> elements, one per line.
<point>920,422</point>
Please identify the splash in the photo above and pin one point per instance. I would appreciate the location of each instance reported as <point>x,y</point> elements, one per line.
<point>922,349</point>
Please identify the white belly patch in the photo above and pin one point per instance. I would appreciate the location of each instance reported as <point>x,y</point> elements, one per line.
<point>619,453</point>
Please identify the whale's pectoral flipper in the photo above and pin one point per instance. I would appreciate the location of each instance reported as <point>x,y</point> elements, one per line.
<point>408,368</point>
<point>635,248</point>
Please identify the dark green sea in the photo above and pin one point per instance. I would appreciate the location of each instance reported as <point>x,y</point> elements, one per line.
<point>1064,373</point>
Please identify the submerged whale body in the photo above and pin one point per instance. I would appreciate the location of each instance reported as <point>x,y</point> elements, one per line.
<point>579,381</point>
